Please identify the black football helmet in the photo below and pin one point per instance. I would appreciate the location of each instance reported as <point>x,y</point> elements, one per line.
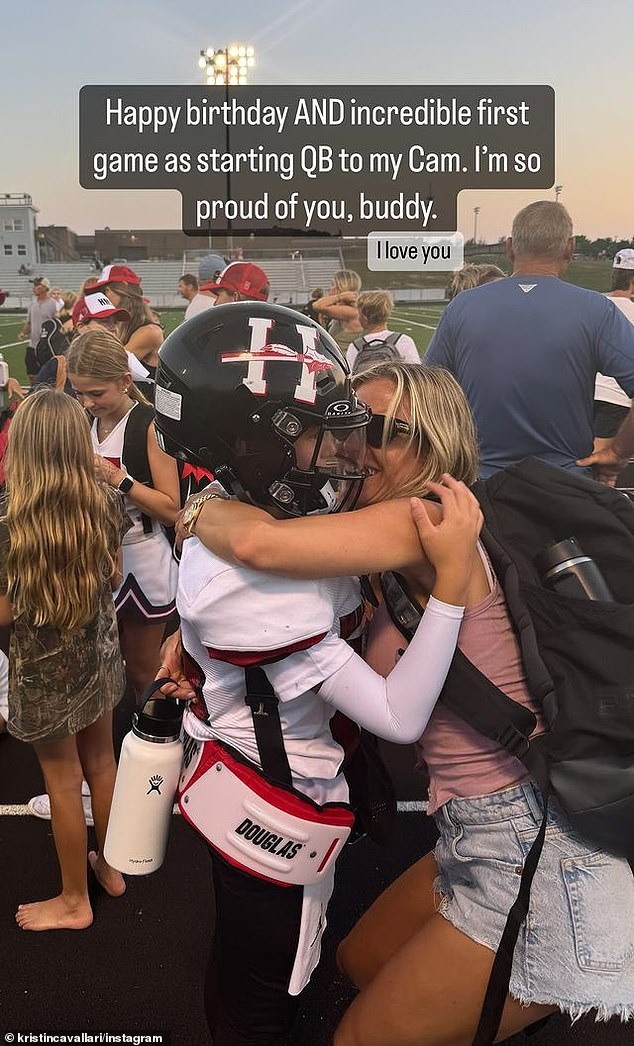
<point>260,395</point>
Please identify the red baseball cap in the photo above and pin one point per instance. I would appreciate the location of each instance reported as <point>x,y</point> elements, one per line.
<point>241,278</point>
<point>96,307</point>
<point>114,274</point>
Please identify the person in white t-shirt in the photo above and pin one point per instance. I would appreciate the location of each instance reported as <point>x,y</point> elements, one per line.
<point>377,343</point>
<point>611,403</point>
<point>41,308</point>
<point>261,397</point>
<point>189,289</point>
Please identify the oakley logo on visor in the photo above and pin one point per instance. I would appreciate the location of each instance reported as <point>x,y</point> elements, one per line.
<point>338,409</point>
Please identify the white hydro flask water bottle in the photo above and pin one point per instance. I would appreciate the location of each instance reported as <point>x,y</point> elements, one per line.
<point>144,791</point>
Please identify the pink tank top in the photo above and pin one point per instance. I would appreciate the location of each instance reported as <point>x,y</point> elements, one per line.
<point>461,762</point>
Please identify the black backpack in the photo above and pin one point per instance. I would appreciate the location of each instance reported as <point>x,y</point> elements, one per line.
<point>375,350</point>
<point>134,451</point>
<point>578,657</point>
<point>52,342</point>
<point>135,459</point>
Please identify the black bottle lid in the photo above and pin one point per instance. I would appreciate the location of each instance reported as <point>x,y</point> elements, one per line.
<point>557,554</point>
<point>159,719</point>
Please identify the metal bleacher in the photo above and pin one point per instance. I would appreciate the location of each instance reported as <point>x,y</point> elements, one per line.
<point>159,280</point>
<point>291,279</point>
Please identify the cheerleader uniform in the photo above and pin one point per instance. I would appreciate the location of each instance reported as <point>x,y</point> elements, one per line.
<point>150,572</point>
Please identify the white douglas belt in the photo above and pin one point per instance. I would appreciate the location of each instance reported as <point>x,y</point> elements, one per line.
<point>269,831</point>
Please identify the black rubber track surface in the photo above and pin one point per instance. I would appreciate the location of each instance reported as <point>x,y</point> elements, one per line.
<point>139,967</point>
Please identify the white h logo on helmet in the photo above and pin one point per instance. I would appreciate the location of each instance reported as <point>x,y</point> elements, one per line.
<point>261,351</point>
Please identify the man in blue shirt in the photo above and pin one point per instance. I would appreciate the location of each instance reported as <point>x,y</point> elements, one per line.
<point>526,350</point>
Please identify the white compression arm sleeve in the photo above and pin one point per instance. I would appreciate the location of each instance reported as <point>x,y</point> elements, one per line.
<point>398,708</point>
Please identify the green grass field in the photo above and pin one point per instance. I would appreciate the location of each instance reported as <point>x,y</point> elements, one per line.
<point>417,321</point>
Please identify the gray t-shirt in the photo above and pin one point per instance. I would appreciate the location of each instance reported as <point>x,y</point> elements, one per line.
<point>38,312</point>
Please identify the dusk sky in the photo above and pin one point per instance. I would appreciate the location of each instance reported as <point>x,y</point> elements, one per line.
<point>581,48</point>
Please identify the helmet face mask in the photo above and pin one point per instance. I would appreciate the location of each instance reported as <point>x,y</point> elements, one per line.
<point>326,472</point>
<point>261,396</point>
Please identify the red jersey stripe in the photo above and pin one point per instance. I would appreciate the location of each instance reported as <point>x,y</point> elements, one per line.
<point>251,658</point>
<point>349,623</point>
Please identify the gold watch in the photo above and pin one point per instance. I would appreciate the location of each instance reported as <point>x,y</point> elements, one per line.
<point>193,510</point>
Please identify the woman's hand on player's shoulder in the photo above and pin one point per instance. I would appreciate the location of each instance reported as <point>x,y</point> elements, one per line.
<point>450,543</point>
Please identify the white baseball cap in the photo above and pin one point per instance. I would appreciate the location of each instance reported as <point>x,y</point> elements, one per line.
<point>624,259</point>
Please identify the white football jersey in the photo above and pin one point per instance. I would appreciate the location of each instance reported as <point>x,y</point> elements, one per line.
<point>232,618</point>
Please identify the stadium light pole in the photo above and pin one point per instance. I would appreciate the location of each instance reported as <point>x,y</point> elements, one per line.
<point>476,211</point>
<point>558,189</point>
<point>227,67</point>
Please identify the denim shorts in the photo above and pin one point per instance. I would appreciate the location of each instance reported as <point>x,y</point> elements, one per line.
<point>576,947</point>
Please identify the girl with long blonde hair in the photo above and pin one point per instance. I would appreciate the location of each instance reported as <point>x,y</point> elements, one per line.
<point>124,442</point>
<point>60,533</point>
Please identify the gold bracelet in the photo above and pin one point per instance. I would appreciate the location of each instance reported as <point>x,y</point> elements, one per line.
<point>194,510</point>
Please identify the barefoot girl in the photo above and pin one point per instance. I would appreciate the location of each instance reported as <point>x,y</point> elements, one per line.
<point>60,532</point>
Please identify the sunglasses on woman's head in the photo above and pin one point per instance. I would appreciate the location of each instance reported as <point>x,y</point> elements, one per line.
<point>380,427</point>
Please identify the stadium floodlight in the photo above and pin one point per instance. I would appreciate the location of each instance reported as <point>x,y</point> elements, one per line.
<point>558,189</point>
<point>227,65</point>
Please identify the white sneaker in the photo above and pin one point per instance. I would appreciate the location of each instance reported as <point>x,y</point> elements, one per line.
<point>40,806</point>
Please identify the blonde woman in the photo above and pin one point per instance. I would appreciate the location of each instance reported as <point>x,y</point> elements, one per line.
<point>423,953</point>
<point>124,442</point>
<point>60,534</point>
<point>338,309</point>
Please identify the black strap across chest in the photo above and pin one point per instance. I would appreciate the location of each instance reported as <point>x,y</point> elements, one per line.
<point>262,700</point>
